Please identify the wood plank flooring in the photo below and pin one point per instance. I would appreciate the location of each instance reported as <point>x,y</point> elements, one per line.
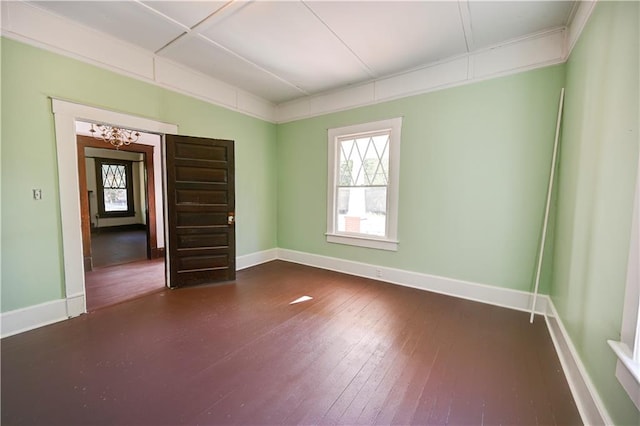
<point>114,284</point>
<point>360,352</point>
<point>117,247</point>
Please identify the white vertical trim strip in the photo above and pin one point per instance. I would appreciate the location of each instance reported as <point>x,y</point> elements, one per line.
<point>547,204</point>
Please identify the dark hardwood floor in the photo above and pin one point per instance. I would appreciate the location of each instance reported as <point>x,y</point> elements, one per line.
<point>359,352</point>
<point>116,247</point>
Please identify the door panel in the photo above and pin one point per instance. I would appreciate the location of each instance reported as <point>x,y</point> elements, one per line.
<point>186,173</point>
<point>197,238</point>
<point>201,200</point>
<point>202,196</point>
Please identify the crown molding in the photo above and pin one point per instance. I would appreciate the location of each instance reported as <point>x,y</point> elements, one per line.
<point>519,55</point>
<point>580,15</point>
<point>531,52</point>
<point>31,25</point>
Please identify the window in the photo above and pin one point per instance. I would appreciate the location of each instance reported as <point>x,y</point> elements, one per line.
<point>628,348</point>
<point>115,188</point>
<point>362,207</point>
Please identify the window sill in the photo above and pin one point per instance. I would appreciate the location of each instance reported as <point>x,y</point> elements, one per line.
<point>116,215</point>
<point>627,371</point>
<point>352,240</point>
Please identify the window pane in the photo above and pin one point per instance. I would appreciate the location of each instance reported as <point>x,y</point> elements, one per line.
<point>115,200</point>
<point>362,210</point>
<point>363,184</point>
<point>114,176</point>
<point>364,161</point>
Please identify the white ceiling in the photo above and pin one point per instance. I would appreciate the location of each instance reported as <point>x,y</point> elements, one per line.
<point>283,50</point>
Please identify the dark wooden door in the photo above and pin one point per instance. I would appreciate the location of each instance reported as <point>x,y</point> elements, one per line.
<point>201,206</point>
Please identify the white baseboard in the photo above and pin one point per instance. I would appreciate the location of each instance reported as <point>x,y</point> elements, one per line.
<point>32,317</point>
<point>25,319</point>
<point>76,305</point>
<point>513,299</point>
<point>253,259</point>
<point>590,405</point>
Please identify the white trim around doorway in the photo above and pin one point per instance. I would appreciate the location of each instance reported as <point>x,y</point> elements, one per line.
<point>65,115</point>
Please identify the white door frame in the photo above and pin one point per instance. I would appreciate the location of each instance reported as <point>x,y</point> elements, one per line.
<point>65,115</point>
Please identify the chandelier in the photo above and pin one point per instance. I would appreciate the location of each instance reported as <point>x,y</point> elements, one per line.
<point>116,136</point>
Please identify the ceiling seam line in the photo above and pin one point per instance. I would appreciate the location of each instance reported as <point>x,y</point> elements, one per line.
<point>369,71</point>
<point>465,18</point>
<point>166,17</point>
<point>194,31</point>
<point>169,43</point>
<point>187,29</point>
<point>231,52</point>
<point>211,15</point>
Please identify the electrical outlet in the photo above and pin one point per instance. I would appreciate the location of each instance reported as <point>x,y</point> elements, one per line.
<point>378,273</point>
<point>37,194</point>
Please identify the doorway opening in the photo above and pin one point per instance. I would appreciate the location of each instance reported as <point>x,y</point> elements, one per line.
<point>66,114</point>
<point>122,238</point>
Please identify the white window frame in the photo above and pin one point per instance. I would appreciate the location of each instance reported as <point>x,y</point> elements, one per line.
<point>390,240</point>
<point>628,348</point>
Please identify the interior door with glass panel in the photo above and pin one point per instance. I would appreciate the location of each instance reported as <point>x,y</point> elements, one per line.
<point>200,207</point>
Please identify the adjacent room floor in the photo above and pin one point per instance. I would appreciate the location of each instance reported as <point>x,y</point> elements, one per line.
<point>358,352</point>
<point>121,269</point>
<point>116,247</point>
<point>114,284</point>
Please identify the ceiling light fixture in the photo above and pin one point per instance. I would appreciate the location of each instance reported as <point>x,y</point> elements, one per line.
<point>116,136</point>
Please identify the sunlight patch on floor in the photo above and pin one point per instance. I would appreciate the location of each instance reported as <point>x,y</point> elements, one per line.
<point>301,299</point>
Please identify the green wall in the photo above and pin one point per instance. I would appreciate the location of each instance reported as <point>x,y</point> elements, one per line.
<point>32,268</point>
<point>474,167</point>
<point>598,165</point>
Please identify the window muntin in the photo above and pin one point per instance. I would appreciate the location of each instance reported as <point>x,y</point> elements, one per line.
<point>115,188</point>
<point>363,184</point>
